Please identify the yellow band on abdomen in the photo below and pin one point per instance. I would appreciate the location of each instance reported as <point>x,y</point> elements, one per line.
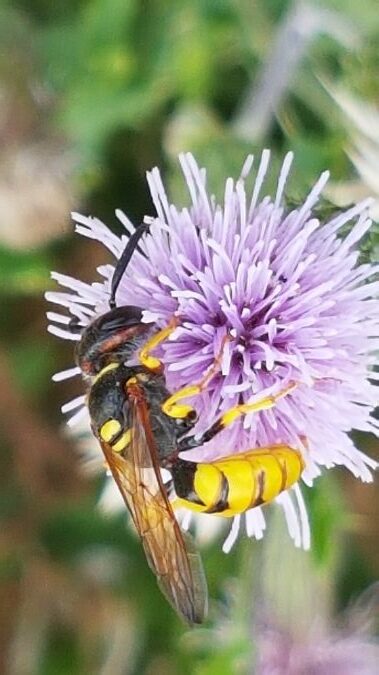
<point>110,433</point>
<point>253,478</point>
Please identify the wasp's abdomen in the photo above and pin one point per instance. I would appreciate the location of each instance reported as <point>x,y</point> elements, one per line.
<point>237,483</point>
<point>107,405</point>
<point>115,434</point>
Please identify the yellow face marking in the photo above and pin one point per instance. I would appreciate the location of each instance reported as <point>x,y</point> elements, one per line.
<point>106,369</point>
<point>170,406</point>
<point>109,430</point>
<point>132,380</point>
<point>123,441</point>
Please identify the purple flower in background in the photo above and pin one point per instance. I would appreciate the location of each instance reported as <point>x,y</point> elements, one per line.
<point>312,641</point>
<point>289,293</point>
<point>333,655</point>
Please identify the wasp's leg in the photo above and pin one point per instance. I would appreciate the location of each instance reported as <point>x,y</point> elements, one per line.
<point>171,406</point>
<point>151,362</point>
<point>231,415</point>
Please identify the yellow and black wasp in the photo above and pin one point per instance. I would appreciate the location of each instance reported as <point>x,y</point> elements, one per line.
<point>142,427</point>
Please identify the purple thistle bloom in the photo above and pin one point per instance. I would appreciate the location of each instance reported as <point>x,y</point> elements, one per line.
<point>288,292</point>
<point>295,637</point>
<point>318,653</point>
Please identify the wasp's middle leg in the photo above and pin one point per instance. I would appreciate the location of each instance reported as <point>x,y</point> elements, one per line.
<point>171,405</point>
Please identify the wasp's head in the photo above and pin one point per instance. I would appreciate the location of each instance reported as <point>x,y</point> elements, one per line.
<point>113,337</point>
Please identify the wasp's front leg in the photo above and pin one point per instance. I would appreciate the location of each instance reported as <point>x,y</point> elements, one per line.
<point>152,362</point>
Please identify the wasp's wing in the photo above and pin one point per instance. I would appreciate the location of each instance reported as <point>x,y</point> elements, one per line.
<point>170,552</point>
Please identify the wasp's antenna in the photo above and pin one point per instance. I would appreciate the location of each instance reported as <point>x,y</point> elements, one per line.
<point>124,261</point>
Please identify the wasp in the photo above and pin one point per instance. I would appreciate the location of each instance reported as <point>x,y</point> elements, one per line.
<point>142,427</point>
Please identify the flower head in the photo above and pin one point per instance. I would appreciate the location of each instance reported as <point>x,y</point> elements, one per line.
<point>287,291</point>
<point>281,654</point>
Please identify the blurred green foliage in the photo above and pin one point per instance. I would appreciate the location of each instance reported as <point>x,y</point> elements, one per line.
<point>124,85</point>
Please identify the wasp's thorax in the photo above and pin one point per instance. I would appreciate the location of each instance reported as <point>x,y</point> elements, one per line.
<point>113,337</point>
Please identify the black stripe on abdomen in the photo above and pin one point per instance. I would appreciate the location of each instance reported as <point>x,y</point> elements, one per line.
<point>222,503</point>
<point>183,474</point>
<point>261,479</point>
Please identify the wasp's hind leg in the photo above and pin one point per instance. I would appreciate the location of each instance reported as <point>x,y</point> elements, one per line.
<point>231,415</point>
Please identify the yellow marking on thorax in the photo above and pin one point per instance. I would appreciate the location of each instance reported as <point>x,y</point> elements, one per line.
<point>140,377</point>
<point>132,380</point>
<point>106,369</point>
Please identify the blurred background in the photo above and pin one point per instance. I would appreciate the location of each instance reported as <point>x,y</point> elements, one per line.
<point>92,94</point>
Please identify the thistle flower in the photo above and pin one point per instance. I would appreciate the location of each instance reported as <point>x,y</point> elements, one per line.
<point>287,291</point>
<point>296,629</point>
<point>337,653</point>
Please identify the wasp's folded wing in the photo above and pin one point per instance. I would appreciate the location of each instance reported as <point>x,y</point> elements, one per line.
<point>169,552</point>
